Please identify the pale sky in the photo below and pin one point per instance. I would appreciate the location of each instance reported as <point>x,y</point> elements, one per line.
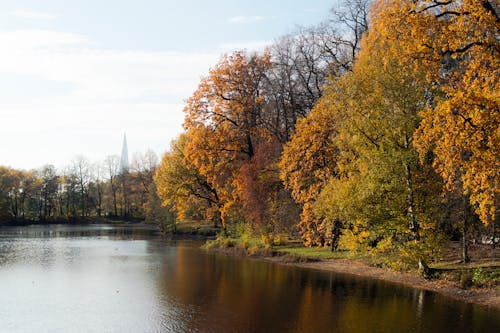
<point>76,74</point>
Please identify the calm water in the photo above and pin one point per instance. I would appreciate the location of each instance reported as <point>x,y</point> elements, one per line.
<point>105,279</point>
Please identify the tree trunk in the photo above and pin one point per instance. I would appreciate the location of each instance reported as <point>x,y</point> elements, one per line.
<point>412,220</point>
<point>493,236</point>
<point>495,218</point>
<point>114,202</point>
<point>465,245</point>
<point>335,236</point>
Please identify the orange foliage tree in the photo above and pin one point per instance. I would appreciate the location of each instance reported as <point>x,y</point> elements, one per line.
<point>225,121</point>
<point>308,162</point>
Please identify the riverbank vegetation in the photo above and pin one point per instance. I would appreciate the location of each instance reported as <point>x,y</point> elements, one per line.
<point>375,133</point>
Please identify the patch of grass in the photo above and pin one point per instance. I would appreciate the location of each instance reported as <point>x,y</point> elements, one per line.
<point>200,228</point>
<point>312,252</point>
<point>457,264</point>
<point>294,258</point>
<point>482,277</point>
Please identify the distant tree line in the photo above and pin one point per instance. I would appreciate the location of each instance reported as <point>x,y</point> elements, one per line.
<point>80,191</point>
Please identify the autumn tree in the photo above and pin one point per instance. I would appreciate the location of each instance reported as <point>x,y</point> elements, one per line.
<point>182,188</point>
<point>31,187</point>
<point>352,162</point>
<point>143,168</point>
<point>20,194</point>
<point>9,191</point>
<point>96,188</point>
<point>144,165</point>
<point>308,162</point>
<point>381,194</point>
<point>458,41</point>
<point>309,158</point>
<point>224,123</point>
<point>80,171</point>
<point>136,184</point>
<point>48,195</point>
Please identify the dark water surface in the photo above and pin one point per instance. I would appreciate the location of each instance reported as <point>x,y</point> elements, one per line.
<point>125,279</point>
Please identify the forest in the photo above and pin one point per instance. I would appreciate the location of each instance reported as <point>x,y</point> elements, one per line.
<point>375,131</point>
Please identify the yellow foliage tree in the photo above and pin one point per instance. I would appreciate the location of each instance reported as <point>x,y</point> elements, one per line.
<point>181,187</point>
<point>456,43</point>
<point>379,189</point>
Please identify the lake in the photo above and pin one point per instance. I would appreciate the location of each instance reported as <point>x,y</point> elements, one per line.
<point>101,278</point>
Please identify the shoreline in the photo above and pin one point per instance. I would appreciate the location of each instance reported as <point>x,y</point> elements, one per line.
<point>487,297</point>
<point>76,221</point>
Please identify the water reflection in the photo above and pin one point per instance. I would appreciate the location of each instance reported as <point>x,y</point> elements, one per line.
<point>93,230</point>
<point>103,279</point>
<point>249,296</point>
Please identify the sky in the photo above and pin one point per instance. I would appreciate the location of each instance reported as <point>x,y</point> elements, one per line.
<point>75,75</point>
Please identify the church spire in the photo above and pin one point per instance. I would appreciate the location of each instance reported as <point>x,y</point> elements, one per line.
<point>124,158</point>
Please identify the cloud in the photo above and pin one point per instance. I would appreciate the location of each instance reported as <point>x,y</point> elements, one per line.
<point>258,45</point>
<point>101,74</point>
<point>245,19</point>
<point>100,93</point>
<point>27,40</point>
<point>32,15</point>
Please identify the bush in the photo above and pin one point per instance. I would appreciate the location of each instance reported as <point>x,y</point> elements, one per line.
<point>485,278</point>
<point>221,242</point>
<point>353,240</point>
<point>479,277</point>
<point>269,240</point>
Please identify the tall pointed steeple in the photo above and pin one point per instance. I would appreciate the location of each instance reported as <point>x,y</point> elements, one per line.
<point>124,158</point>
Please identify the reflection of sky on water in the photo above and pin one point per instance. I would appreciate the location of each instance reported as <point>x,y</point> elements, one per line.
<point>76,283</point>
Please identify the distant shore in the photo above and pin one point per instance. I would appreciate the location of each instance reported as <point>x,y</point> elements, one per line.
<point>71,221</point>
